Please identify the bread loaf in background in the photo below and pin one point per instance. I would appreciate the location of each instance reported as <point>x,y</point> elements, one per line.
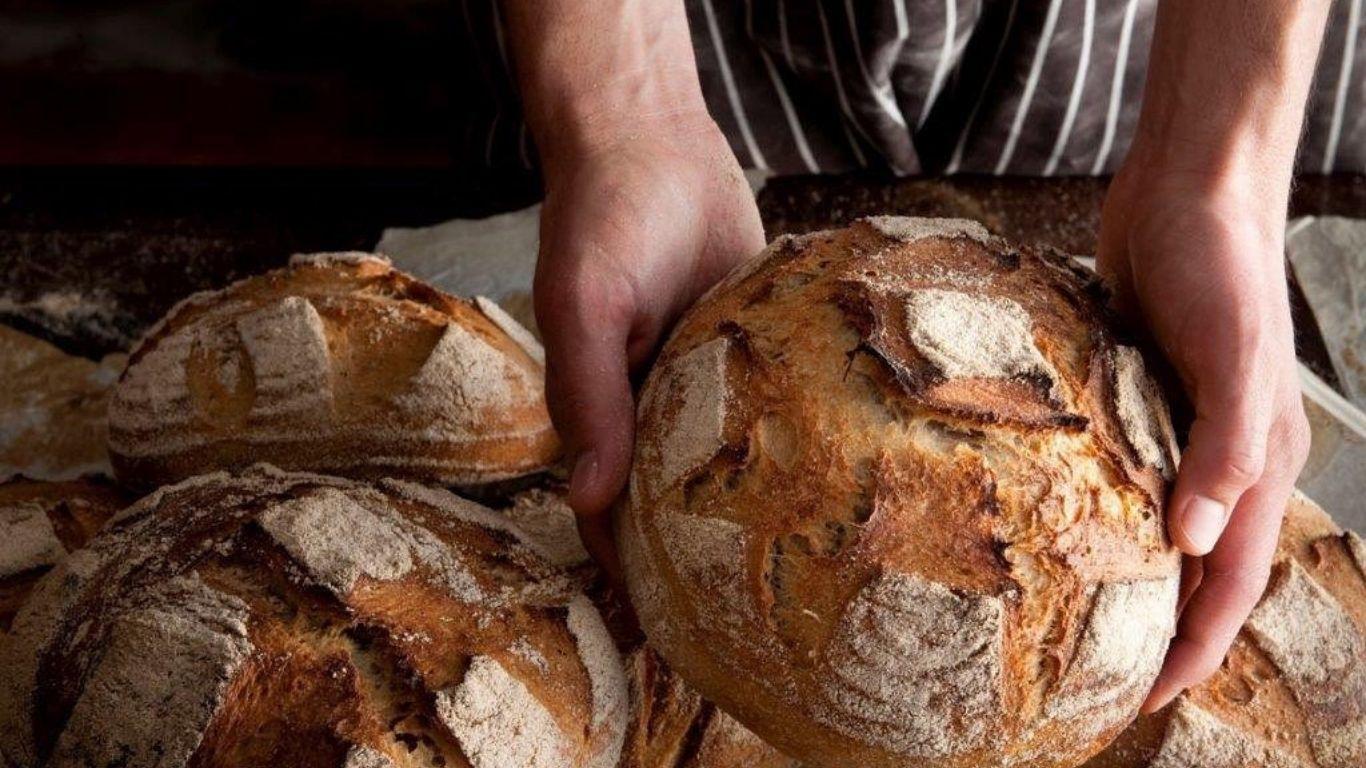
<point>40,522</point>
<point>897,501</point>
<point>339,364</point>
<point>670,725</point>
<point>1292,692</point>
<point>273,618</point>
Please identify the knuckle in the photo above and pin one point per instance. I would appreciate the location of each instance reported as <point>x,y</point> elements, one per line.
<point>1296,437</point>
<point>1242,465</point>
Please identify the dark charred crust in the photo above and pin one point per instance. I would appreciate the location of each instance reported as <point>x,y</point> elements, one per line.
<point>1008,257</point>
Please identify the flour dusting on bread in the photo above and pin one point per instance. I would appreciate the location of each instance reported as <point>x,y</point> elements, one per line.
<point>1147,427</point>
<point>1319,651</point>
<point>909,229</point>
<point>970,335</point>
<point>1198,739</point>
<point>162,677</point>
<point>919,664</point>
<point>515,330</point>
<point>700,394</point>
<point>498,721</point>
<point>1119,652</point>
<point>337,540</point>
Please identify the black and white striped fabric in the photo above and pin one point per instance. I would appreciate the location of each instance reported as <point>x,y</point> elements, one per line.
<point>1021,87</point>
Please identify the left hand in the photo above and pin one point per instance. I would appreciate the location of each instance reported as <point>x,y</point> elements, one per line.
<point>1199,259</point>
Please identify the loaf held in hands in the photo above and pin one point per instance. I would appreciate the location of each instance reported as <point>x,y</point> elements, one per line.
<point>338,364</point>
<point>1292,692</point>
<point>897,501</point>
<point>275,618</point>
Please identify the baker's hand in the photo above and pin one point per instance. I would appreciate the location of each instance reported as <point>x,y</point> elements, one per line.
<point>633,230</point>
<point>1198,259</point>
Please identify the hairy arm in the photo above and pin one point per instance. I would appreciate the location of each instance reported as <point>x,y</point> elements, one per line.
<point>1193,241</point>
<point>645,208</point>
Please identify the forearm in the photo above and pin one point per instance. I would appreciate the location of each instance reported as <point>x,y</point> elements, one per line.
<point>1227,85</point>
<point>591,70</point>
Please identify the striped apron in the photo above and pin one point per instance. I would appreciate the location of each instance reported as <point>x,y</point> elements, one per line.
<point>1021,87</point>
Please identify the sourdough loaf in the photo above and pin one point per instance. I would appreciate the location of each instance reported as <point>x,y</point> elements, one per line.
<point>274,618</point>
<point>1292,691</point>
<point>40,522</point>
<point>896,501</point>
<point>670,725</point>
<point>340,364</point>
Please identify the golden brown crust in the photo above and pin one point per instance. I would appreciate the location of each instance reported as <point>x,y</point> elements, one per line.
<point>1265,717</point>
<point>274,618</point>
<point>338,363</point>
<point>40,522</point>
<point>897,498</point>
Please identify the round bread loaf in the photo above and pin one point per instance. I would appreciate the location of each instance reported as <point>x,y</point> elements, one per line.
<point>339,364</point>
<point>298,620</point>
<point>1292,691</point>
<point>897,501</point>
<point>40,522</point>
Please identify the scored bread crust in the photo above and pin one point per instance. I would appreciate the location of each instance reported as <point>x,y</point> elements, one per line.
<point>338,363</point>
<point>275,618</point>
<point>669,725</point>
<point>40,522</point>
<point>1292,691</point>
<point>897,498</point>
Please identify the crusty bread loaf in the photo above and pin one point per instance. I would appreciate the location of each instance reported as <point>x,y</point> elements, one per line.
<point>274,618</point>
<point>52,409</point>
<point>1292,691</point>
<point>897,501</point>
<point>40,522</point>
<point>339,364</point>
<point>670,726</point>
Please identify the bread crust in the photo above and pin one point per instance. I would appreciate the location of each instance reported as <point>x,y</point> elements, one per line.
<point>275,618</point>
<point>40,522</point>
<point>1292,690</point>
<point>896,501</point>
<point>338,363</point>
<point>670,725</point>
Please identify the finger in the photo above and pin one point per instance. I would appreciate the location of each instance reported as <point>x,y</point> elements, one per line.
<point>1225,457</point>
<point>1232,578</point>
<point>586,326</point>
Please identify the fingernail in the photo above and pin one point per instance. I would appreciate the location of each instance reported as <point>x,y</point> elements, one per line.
<point>1203,523</point>
<point>585,473</point>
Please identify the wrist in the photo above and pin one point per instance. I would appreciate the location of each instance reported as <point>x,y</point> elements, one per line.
<point>654,108</point>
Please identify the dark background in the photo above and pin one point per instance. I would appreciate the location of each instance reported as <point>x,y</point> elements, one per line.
<point>151,149</point>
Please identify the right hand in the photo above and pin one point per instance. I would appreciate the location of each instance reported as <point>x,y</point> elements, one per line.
<point>634,228</point>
